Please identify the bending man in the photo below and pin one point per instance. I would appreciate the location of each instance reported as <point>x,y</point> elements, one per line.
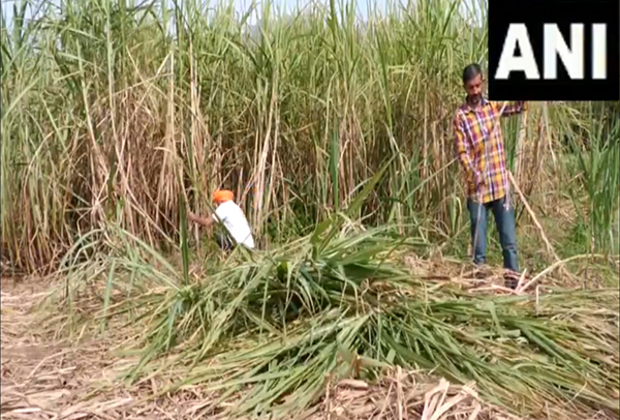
<point>231,216</point>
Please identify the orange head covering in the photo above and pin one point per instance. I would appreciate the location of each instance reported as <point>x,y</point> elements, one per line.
<point>221,196</point>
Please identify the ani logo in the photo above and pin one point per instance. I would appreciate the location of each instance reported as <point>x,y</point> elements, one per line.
<point>547,50</point>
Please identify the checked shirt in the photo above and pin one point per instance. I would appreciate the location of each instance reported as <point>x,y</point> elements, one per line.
<point>482,155</point>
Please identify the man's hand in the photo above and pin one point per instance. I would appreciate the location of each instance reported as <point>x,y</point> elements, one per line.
<point>512,108</point>
<point>203,221</point>
<point>478,181</point>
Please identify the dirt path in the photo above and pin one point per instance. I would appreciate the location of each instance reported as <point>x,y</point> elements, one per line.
<point>48,378</point>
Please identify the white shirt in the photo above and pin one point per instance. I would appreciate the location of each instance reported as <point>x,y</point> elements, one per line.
<point>231,215</point>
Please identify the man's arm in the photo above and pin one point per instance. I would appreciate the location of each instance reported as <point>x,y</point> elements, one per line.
<point>204,221</point>
<point>512,108</point>
<point>463,153</point>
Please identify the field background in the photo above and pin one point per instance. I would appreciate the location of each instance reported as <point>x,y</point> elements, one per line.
<point>335,133</point>
<point>113,113</point>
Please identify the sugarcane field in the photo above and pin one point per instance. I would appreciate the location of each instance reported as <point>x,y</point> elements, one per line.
<point>306,210</point>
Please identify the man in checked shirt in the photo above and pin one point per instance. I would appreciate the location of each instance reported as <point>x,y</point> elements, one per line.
<point>480,148</point>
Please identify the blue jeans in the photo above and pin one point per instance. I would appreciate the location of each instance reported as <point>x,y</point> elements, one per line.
<point>505,222</point>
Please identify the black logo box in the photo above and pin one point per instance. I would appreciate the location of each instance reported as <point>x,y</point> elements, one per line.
<point>534,14</point>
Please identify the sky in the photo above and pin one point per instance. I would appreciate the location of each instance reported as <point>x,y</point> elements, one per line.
<point>243,5</point>
<point>240,5</point>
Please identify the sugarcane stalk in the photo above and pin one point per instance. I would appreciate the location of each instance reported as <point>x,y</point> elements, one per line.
<point>520,147</point>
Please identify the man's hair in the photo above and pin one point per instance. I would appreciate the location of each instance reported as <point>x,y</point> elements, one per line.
<point>471,71</point>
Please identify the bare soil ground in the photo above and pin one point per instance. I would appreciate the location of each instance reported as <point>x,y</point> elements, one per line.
<point>44,377</point>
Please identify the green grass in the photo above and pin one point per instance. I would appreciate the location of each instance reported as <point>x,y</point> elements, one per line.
<point>270,327</point>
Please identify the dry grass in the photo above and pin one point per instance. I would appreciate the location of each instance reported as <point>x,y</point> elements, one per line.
<point>486,279</point>
<point>403,395</point>
<point>48,378</point>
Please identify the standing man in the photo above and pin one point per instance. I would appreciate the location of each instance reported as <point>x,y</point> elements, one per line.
<point>480,149</point>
